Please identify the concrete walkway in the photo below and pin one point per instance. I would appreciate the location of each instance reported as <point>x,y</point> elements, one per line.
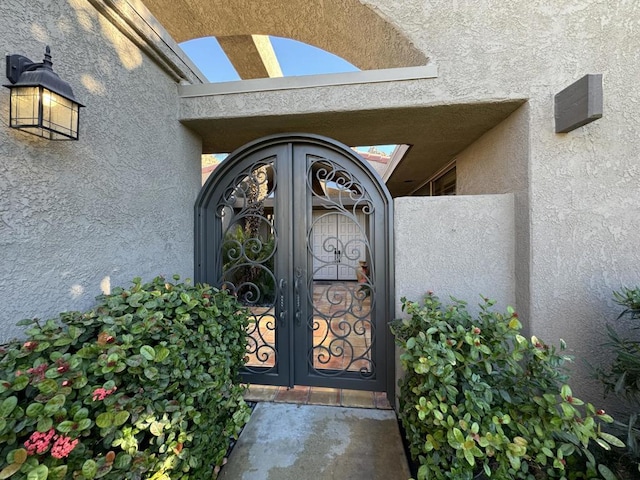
<point>305,442</point>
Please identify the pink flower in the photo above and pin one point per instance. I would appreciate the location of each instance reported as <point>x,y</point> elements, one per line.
<point>38,442</point>
<point>63,446</point>
<point>62,366</point>
<point>101,393</point>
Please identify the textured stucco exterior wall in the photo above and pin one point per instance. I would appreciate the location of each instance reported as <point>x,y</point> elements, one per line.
<point>76,217</point>
<point>460,246</point>
<point>498,163</point>
<point>584,195</point>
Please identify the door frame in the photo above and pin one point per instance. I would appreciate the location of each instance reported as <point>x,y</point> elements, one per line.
<point>206,266</point>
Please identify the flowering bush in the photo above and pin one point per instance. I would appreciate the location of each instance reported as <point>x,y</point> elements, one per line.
<point>622,377</point>
<point>479,399</point>
<point>142,386</point>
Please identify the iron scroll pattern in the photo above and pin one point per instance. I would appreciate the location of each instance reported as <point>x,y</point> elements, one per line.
<point>247,256</point>
<point>341,320</point>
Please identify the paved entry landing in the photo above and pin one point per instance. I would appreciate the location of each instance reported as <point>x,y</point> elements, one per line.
<point>300,442</point>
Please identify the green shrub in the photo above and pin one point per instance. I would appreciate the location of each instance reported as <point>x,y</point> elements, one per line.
<point>480,399</point>
<point>622,377</point>
<point>142,386</point>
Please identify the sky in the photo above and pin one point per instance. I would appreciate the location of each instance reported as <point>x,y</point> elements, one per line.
<point>295,58</point>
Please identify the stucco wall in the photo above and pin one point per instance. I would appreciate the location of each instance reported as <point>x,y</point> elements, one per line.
<point>499,163</point>
<point>77,217</point>
<point>460,246</point>
<point>584,194</point>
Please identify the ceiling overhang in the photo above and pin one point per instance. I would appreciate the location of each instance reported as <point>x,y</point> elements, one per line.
<point>436,126</point>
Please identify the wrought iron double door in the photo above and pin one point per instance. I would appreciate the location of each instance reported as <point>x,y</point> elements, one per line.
<point>265,209</point>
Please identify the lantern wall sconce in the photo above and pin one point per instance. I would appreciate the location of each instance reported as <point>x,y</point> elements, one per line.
<point>41,102</point>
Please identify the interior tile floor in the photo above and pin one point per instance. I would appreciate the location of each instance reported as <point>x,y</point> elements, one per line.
<point>342,329</point>
<point>317,396</point>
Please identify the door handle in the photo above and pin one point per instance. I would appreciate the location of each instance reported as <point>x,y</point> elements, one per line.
<point>296,287</point>
<point>283,313</point>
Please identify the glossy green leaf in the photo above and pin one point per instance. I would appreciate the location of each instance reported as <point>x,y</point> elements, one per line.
<point>66,426</point>
<point>19,456</point>
<point>63,341</point>
<point>44,424</point>
<point>105,420</point>
<point>75,332</point>
<point>9,470</point>
<point>8,405</point>
<point>469,458</point>
<point>134,360</point>
<point>39,473</point>
<point>156,429</point>
<point>48,386</point>
<point>89,469</point>
<point>81,414</point>
<point>148,352</point>
<point>20,383</point>
<point>57,473</point>
<point>84,424</point>
<point>55,404</point>
<point>120,418</point>
<point>161,353</point>
<point>122,461</point>
<point>606,473</point>
<point>611,439</point>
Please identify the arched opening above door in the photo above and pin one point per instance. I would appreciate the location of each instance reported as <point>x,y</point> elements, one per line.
<point>349,29</point>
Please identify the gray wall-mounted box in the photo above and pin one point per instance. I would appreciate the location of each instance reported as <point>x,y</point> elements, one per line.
<point>578,104</point>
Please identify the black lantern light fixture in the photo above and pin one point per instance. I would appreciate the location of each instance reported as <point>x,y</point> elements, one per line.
<point>41,103</point>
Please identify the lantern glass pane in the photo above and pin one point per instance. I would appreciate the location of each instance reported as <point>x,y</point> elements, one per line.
<point>59,116</point>
<point>24,106</point>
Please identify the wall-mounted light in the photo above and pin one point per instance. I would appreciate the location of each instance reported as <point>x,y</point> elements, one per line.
<point>41,103</point>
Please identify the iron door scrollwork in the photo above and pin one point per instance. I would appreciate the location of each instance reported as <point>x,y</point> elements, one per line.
<point>297,227</point>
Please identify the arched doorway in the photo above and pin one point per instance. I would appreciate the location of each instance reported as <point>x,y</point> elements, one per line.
<point>273,222</point>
